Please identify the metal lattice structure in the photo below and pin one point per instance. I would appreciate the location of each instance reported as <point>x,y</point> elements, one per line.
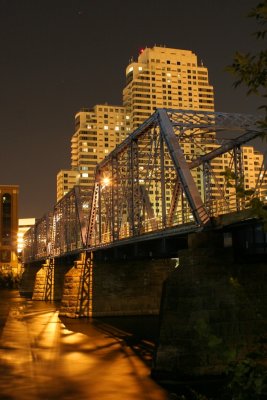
<point>61,231</point>
<point>164,176</point>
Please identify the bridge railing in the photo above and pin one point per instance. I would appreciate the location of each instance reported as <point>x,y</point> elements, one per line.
<point>62,230</point>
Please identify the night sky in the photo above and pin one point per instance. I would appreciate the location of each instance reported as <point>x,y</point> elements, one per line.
<point>59,56</point>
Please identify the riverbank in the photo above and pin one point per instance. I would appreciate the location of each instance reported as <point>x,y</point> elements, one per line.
<point>44,356</point>
<point>9,280</point>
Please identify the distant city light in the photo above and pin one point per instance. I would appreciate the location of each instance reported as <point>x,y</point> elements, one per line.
<point>20,242</point>
<point>105,181</point>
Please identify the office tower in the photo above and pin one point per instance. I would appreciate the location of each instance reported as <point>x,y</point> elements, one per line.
<point>8,228</point>
<point>66,179</point>
<point>97,132</point>
<point>165,78</point>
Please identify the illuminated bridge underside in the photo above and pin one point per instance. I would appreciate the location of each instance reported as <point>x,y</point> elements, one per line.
<point>161,180</point>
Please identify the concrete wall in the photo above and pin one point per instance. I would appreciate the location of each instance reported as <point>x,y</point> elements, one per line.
<point>213,311</point>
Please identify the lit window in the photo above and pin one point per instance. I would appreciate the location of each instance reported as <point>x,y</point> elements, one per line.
<point>117,128</point>
<point>105,126</point>
<point>140,68</point>
<point>84,175</point>
<point>127,117</point>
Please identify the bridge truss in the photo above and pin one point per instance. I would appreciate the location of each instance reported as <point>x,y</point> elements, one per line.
<point>175,172</point>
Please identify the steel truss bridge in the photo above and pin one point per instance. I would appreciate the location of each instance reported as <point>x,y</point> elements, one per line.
<point>174,174</point>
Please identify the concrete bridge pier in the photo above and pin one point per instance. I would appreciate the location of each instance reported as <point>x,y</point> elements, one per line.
<point>213,310</point>
<point>28,279</point>
<point>44,281</point>
<point>76,298</point>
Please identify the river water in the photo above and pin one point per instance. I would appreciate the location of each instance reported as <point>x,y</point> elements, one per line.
<point>44,356</point>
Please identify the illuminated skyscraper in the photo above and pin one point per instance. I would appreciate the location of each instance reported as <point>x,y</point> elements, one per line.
<point>97,132</point>
<point>66,179</point>
<point>165,78</point>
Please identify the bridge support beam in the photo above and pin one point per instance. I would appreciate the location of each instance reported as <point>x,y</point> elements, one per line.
<point>213,310</point>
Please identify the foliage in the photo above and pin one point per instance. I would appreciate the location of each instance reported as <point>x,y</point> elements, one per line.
<point>9,280</point>
<point>247,379</point>
<point>231,180</point>
<point>257,206</point>
<point>251,69</point>
<point>258,210</point>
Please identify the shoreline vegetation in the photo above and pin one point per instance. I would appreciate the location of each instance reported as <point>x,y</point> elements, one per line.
<point>9,280</point>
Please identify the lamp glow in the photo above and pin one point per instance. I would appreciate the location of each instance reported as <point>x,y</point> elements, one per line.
<point>106,181</point>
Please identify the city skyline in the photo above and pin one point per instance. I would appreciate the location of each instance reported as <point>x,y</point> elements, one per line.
<point>50,71</point>
<point>161,77</point>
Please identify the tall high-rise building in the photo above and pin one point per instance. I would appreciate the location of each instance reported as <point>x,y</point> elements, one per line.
<point>97,132</point>
<point>165,78</point>
<point>66,179</point>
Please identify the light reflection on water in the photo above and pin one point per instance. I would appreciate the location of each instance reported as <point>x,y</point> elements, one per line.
<point>46,357</point>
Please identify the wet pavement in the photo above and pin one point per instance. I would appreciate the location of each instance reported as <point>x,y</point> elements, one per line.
<point>43,356</point>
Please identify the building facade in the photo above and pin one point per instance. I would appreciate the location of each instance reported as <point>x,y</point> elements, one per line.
<point>66,179</point>
<point>97,132</point>
<point>8,228</point>
<point>165,78</point>
<point>168,78</point>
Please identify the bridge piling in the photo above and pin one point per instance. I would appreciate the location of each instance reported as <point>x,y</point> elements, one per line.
<point>44,283</point>
<point>28,279</point>
<point>213,310</point>
<point>71,303</point>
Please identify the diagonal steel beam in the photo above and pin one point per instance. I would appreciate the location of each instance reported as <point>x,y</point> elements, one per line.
<point>183,171</point>
<point>242,139</point>
<point>80,214</point>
